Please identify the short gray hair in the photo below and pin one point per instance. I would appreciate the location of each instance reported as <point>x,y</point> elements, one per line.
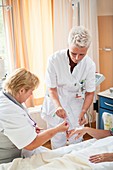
<point>79,36</point>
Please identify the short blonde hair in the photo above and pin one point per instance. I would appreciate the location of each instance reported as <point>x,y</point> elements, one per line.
<point>20,78</point>
<point>79,37</point>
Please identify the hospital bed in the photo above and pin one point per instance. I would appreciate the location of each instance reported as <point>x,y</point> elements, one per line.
<point>72,157</point>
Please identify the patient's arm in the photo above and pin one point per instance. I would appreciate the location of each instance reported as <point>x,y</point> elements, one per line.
<point>104,157</point>
<point>96,133</point>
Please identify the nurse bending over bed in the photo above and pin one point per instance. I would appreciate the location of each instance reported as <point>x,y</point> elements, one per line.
<point>70,81</point>
<point>17,130</point>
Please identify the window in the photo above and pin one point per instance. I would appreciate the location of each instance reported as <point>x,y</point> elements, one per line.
<point>4,60</point>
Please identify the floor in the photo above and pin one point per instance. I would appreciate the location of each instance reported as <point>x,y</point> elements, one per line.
<point>86,136</point>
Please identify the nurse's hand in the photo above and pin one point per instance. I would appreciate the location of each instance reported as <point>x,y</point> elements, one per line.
<point>61,112</point>
<point>62,127</point>
<point>81,119</point>
<point>38,129</point>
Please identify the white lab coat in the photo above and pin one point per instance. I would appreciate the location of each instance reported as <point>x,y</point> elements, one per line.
<point>68,86</point>
<point>16,131</point>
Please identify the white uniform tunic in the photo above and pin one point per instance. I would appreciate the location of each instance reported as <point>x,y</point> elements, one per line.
<point>16,130</point>
<point>69,85</point>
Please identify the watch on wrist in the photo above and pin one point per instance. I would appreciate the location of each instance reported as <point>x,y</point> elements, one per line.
<point>111,131</point>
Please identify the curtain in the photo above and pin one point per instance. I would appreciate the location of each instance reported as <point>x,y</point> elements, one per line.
<point>8,25</point>
<point>28,42</point>
<point>88,18</point>
<point>63,18</point>
<point>35,29</point>
<point>85,14</point>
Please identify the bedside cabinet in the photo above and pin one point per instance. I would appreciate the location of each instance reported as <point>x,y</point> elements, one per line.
<point>105,105</point>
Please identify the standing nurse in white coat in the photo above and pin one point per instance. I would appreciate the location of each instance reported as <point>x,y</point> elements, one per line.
<point>70,81</point>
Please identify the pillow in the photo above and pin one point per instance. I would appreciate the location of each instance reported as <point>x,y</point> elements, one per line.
<point>107,120</point>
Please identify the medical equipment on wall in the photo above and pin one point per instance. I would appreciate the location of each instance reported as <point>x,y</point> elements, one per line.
<point>99,78</point>
<point>76,12</point>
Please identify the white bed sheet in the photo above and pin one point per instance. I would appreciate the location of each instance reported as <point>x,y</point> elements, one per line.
<point>73,157</point>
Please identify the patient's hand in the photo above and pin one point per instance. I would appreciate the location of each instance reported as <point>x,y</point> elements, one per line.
<point>70,133</point>
<point>79,131</point>
<point>104,157</point>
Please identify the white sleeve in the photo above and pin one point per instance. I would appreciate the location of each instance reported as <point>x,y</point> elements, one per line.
<point>51,76</point>
<point>19,130</point>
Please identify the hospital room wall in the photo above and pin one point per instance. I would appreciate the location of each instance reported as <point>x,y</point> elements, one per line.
<point>105,28</point>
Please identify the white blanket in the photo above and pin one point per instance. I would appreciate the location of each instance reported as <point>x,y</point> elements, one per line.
<point>73,157</point>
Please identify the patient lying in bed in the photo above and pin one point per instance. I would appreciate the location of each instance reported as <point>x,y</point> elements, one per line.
<point>97,133</point>
<point>91,154</point>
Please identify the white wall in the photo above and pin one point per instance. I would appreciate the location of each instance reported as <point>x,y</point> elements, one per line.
<point>104,7</point>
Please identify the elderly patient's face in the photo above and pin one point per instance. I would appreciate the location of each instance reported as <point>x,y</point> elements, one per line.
<point>77,54</point>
